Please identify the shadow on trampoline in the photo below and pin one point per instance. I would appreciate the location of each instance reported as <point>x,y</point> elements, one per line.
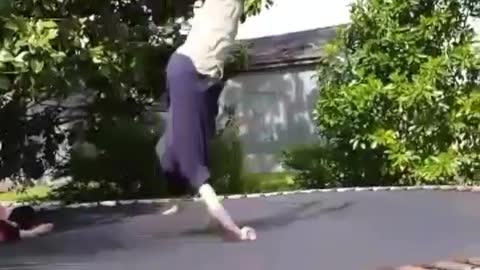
<point>304,211</point>
<point>79,218</point>
<point>82,218</point>
<point>390,229</point>
<point>93,231</point>
<point>81,233</point>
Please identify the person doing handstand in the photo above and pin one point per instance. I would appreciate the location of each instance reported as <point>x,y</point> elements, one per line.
<point>195,81</point>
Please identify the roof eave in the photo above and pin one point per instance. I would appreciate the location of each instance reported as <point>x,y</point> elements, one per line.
<point>281,64</point>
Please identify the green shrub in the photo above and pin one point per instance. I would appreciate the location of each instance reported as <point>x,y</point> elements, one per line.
<point>268,182</point>
<point>117,161</point>
<point>322,166</point>
<point>399,96</point>
<point>228,174</point>
<point>227,158</point>
<point>312,165</point>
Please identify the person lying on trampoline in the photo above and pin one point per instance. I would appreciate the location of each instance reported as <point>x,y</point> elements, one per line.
<point>20,223</point>
<point>194,82</point>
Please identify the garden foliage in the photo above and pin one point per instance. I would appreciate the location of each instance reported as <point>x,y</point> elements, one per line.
<point>98,65</point>
<point>399,97</point>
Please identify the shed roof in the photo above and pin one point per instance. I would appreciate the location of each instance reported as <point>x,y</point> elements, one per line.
<point>291,49</point>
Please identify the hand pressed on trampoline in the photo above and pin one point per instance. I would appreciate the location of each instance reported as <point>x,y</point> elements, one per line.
<point>216,210</point>
<point>248,234</point>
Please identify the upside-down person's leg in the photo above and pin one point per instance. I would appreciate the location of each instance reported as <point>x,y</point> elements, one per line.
<point>175,184</point>
<point>191,133</point>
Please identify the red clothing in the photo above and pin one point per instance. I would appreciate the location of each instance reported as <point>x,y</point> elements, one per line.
<point>8,232</point>
<point>3,213</point>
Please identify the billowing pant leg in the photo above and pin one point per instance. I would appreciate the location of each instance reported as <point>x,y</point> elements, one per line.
<point>193,108</point>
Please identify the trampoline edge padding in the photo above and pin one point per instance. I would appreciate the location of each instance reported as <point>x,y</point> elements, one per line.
<point>57,205</point>
<point>472,263</point>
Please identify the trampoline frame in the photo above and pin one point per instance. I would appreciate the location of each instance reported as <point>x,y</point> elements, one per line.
<point>58,205</point>
<point>447,264</point>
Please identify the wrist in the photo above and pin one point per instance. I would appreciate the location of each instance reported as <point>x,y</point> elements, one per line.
<point>238,233</point>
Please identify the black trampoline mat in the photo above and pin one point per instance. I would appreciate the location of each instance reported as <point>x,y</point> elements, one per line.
<point>344,231</point>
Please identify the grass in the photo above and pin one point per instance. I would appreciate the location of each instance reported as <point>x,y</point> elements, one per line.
<point>268,182</point>
<point>254,183</point>
<point>34,193</point>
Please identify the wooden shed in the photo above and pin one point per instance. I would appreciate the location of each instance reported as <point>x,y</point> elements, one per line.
<point>275,96</point>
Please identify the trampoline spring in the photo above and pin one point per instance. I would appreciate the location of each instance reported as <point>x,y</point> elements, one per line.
<point>344,189</point>
<point>238,196</point>
<point>411,188</point>
<point>321,190</point>
<point>429,188</point>
<point>272,194</point>
<point>286,193</point>
<point>463,188</point>
<point>447,188</point>
<point>108,203</point>
<point>397,188</point>
<point>254,195</point>
<point>380,188</point>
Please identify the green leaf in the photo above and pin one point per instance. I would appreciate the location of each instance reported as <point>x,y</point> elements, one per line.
<point>401,75</point>
<point>37,66</point>
<point>11,24</point>
<point>5,7</point>
<point>21,43</point>
<point>4,83</point>
<point>5,56</point>
<point>49,24</point>
<point>51,34</point>
<point>20,58</point>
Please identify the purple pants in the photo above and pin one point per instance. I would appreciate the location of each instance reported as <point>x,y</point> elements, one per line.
<point>184,148</point>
